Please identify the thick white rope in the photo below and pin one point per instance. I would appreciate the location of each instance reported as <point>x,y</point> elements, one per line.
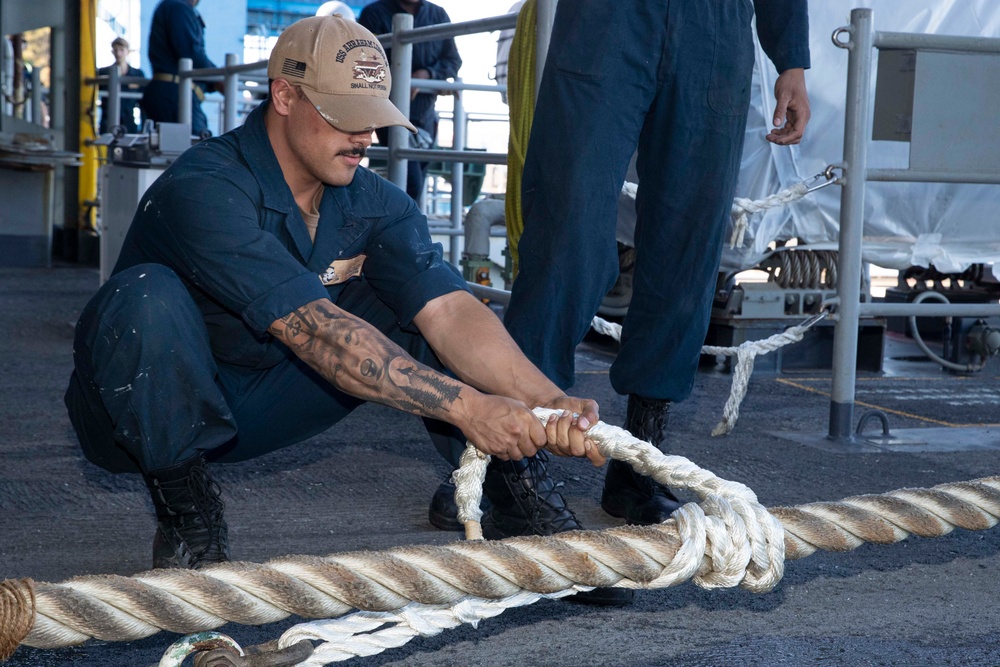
<point>742,369</point>
<point>728,540</point>
<point>743,208</point>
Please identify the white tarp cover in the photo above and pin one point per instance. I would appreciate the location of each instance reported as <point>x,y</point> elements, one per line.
<point>906,224</point>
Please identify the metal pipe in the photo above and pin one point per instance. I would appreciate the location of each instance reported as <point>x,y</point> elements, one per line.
<point>904,40</point>
<point>36,96</point>
<point>184,92</point>
<point>457,176</point>
<point>852,208</point>
<point>401,69</point>
<point>882,309</point>
<point>545,18</point>
<point>483,215</point>
<point>231,92</point>
<point>915,176</point>
<point>437,84</point>
<point>491,293</point>
<point>433,33</point>
<point>446,155</point>
<point>112,109</point>
<point>217,73</point>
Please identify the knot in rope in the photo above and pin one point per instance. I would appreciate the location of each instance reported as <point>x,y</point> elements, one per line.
<point>743,208</point>
<point>747,543</point>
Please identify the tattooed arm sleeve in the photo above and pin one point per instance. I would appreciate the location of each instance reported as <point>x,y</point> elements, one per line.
<point>357,359</point>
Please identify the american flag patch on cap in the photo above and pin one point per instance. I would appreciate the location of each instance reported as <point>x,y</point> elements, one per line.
<point>293,68</point>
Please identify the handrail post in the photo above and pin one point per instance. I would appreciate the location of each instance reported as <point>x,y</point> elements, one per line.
<point>231,92</point>
<point>184,92</point>
<point>401,69</point>
<point>36,96</point>
<point>459,122</point>
<point>545,18</point>
<point>852,209</point>
<point>112,108</point>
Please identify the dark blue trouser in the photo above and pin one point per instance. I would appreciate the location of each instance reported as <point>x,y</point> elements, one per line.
<point>147,392</point>
<point>668,77</point>
<point>160,101</point>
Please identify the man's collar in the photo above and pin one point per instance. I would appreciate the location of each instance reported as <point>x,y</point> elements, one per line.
<point>263,162</point>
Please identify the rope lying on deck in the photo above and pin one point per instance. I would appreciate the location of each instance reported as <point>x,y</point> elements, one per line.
<point>707,543</point>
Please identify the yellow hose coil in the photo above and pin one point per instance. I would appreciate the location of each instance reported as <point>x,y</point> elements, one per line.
<point>521,102</point>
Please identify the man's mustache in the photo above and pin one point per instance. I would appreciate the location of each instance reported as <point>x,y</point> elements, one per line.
<point>361,151</point>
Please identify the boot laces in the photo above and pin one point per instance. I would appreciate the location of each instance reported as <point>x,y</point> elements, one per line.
<point>547,495</point>
<point>207,496</point>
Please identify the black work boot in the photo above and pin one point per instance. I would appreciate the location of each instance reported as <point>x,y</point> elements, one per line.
<point>443,512</point>
<point>190,530</point>
<point>628,495</point>
<point>525,502</point>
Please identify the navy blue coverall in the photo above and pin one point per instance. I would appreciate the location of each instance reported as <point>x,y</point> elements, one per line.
<point>127,109</point>
<point>439,58</point>
<point>177,31</point>
<point>671,78</point>
<point>172,354</point>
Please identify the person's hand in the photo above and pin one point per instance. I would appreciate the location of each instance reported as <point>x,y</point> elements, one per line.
<point>504,428</point>
<point>418,74</point>
<point>791,111</point>
<point>566,433</point>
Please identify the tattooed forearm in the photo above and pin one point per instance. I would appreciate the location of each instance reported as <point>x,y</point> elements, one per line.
<point>358,359</point>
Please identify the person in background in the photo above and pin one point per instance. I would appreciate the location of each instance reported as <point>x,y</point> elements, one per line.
<point>671,80</point>
<point>120,49</point>
<point>437,60</point>
<point>177,31</point>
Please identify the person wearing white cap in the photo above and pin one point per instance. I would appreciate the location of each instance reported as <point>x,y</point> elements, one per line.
<point>269,285</point>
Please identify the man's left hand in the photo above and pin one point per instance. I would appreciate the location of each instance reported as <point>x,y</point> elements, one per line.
<point>566,433</point>
<point>791,111</point>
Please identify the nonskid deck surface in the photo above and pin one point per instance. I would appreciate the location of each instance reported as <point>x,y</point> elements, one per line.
<point>366,485</point>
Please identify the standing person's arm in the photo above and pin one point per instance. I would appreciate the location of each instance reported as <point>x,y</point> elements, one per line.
<point>783,30</point>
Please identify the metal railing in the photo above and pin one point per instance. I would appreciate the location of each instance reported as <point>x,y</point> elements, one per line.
<point>398,152</point>
<point>863,38</point>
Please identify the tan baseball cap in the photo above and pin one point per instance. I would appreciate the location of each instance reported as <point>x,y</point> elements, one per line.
<point>341,68</point>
